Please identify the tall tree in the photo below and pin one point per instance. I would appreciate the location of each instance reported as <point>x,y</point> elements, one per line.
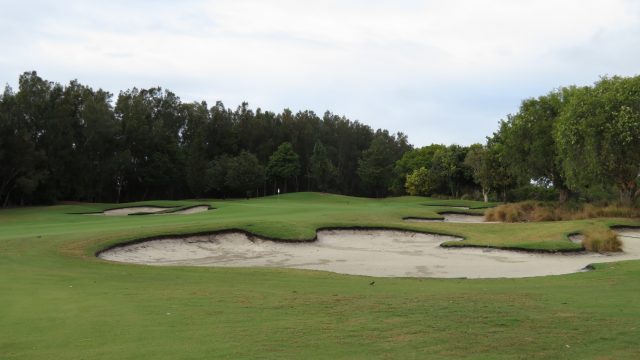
<point>599,136</point>
<point>245,174</point>
<point>322,171</point>
<point>411,161</point>
<point>487,170</point>
<point>22,165</point>
<point>284,164</point>
<point>528,138</point>
<point>375,167</point>
<point>195,143</point>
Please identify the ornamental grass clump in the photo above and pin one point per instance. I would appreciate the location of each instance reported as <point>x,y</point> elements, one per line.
<point>601,240</point>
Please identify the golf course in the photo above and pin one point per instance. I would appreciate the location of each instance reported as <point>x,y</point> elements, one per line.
<point>58,300</point>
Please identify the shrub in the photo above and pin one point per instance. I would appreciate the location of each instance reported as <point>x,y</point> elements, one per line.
<point>601,240</point>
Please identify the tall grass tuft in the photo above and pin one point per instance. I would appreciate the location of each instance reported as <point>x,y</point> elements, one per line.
<point>550,211</point>
<point>601,240</point>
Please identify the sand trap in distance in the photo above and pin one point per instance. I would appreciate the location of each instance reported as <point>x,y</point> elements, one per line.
<point>132,210</point>
<point>187,211</point>
<point>153,210</point>
<point>384,253</point>
<point>454,218</point>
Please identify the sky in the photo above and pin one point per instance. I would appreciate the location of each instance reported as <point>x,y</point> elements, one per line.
<point>438,71</point>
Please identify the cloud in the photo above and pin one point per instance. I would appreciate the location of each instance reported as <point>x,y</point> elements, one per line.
<point>441,71</point>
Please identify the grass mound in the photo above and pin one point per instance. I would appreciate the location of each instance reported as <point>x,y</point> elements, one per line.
<point>549,211</point>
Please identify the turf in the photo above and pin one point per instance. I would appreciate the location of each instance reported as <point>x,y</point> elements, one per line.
<point>58,301</point>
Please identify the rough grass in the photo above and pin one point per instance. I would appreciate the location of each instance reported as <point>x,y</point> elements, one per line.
<point>549,211</point>
<point>601,240</point>
<point>57,301</point>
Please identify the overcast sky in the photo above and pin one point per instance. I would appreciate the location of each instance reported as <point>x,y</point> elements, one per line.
<point>439,71</point>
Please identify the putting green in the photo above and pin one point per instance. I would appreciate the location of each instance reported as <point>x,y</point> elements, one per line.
<point>58,301</point>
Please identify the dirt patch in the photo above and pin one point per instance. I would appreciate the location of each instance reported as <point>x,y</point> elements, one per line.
<point>385,253</point>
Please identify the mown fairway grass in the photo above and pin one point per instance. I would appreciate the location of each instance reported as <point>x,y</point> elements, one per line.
<point>57,301</point>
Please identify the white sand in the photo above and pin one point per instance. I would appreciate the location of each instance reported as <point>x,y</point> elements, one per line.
<point>454,218</point>
<point>132,210</point>
<point>365,252</point>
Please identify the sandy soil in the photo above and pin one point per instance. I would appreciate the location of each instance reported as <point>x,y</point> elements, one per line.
<point>455,218</point>
<point>365,252</point>
<point>132,210</point>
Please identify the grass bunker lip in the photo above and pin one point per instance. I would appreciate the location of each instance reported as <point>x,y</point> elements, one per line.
<point>360,251</point>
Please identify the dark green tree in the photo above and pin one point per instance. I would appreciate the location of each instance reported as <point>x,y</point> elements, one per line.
<point>375,167</point>
<point>322,171</point>
<point>528,138</point>
<point>284,164</point>
<point>598,137</point>
<point>244,174</point>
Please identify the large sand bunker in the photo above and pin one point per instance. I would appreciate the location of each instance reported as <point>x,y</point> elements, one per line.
<point>384,253</point>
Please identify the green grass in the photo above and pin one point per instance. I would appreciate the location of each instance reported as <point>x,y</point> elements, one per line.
<point>57,301</point>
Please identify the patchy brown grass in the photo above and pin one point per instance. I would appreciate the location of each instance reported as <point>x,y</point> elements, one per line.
<point>601,240</point>
<point>548,211</point>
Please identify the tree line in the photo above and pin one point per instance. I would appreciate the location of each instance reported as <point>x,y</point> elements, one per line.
<point>75,143</point>
<point>572,143</point>
<point>72,142</point>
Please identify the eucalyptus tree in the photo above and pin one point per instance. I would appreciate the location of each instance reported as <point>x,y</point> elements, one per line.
<point>598,136</point>
<point>528,138</point>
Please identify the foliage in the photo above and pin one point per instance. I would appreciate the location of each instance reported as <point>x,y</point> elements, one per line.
<point>284,164</point>
<point>322,169</point>
<point>411,161</point>
<point>528,139</point>
<point>244,174</point>
<point>599,136</point>
<point>74,143</point>
<point>375,168</point>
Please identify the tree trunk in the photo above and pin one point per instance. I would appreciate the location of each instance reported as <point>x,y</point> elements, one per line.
<point>628,192</point>
<point>485,195</point>
<point>564,194</point>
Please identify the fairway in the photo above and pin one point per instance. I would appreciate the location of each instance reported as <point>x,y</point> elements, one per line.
<point>58,301</point>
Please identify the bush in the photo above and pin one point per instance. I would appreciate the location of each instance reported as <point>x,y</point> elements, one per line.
<point>601,240</point>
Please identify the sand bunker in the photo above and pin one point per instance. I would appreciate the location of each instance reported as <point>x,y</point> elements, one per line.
<point>132,210</point>
<point>187,211</point>
<point>152,210</point>
<point>382,253</point>
<point>454,218</point>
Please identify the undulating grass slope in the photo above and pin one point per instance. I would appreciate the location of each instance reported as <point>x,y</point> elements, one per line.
<point>57,301</point>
